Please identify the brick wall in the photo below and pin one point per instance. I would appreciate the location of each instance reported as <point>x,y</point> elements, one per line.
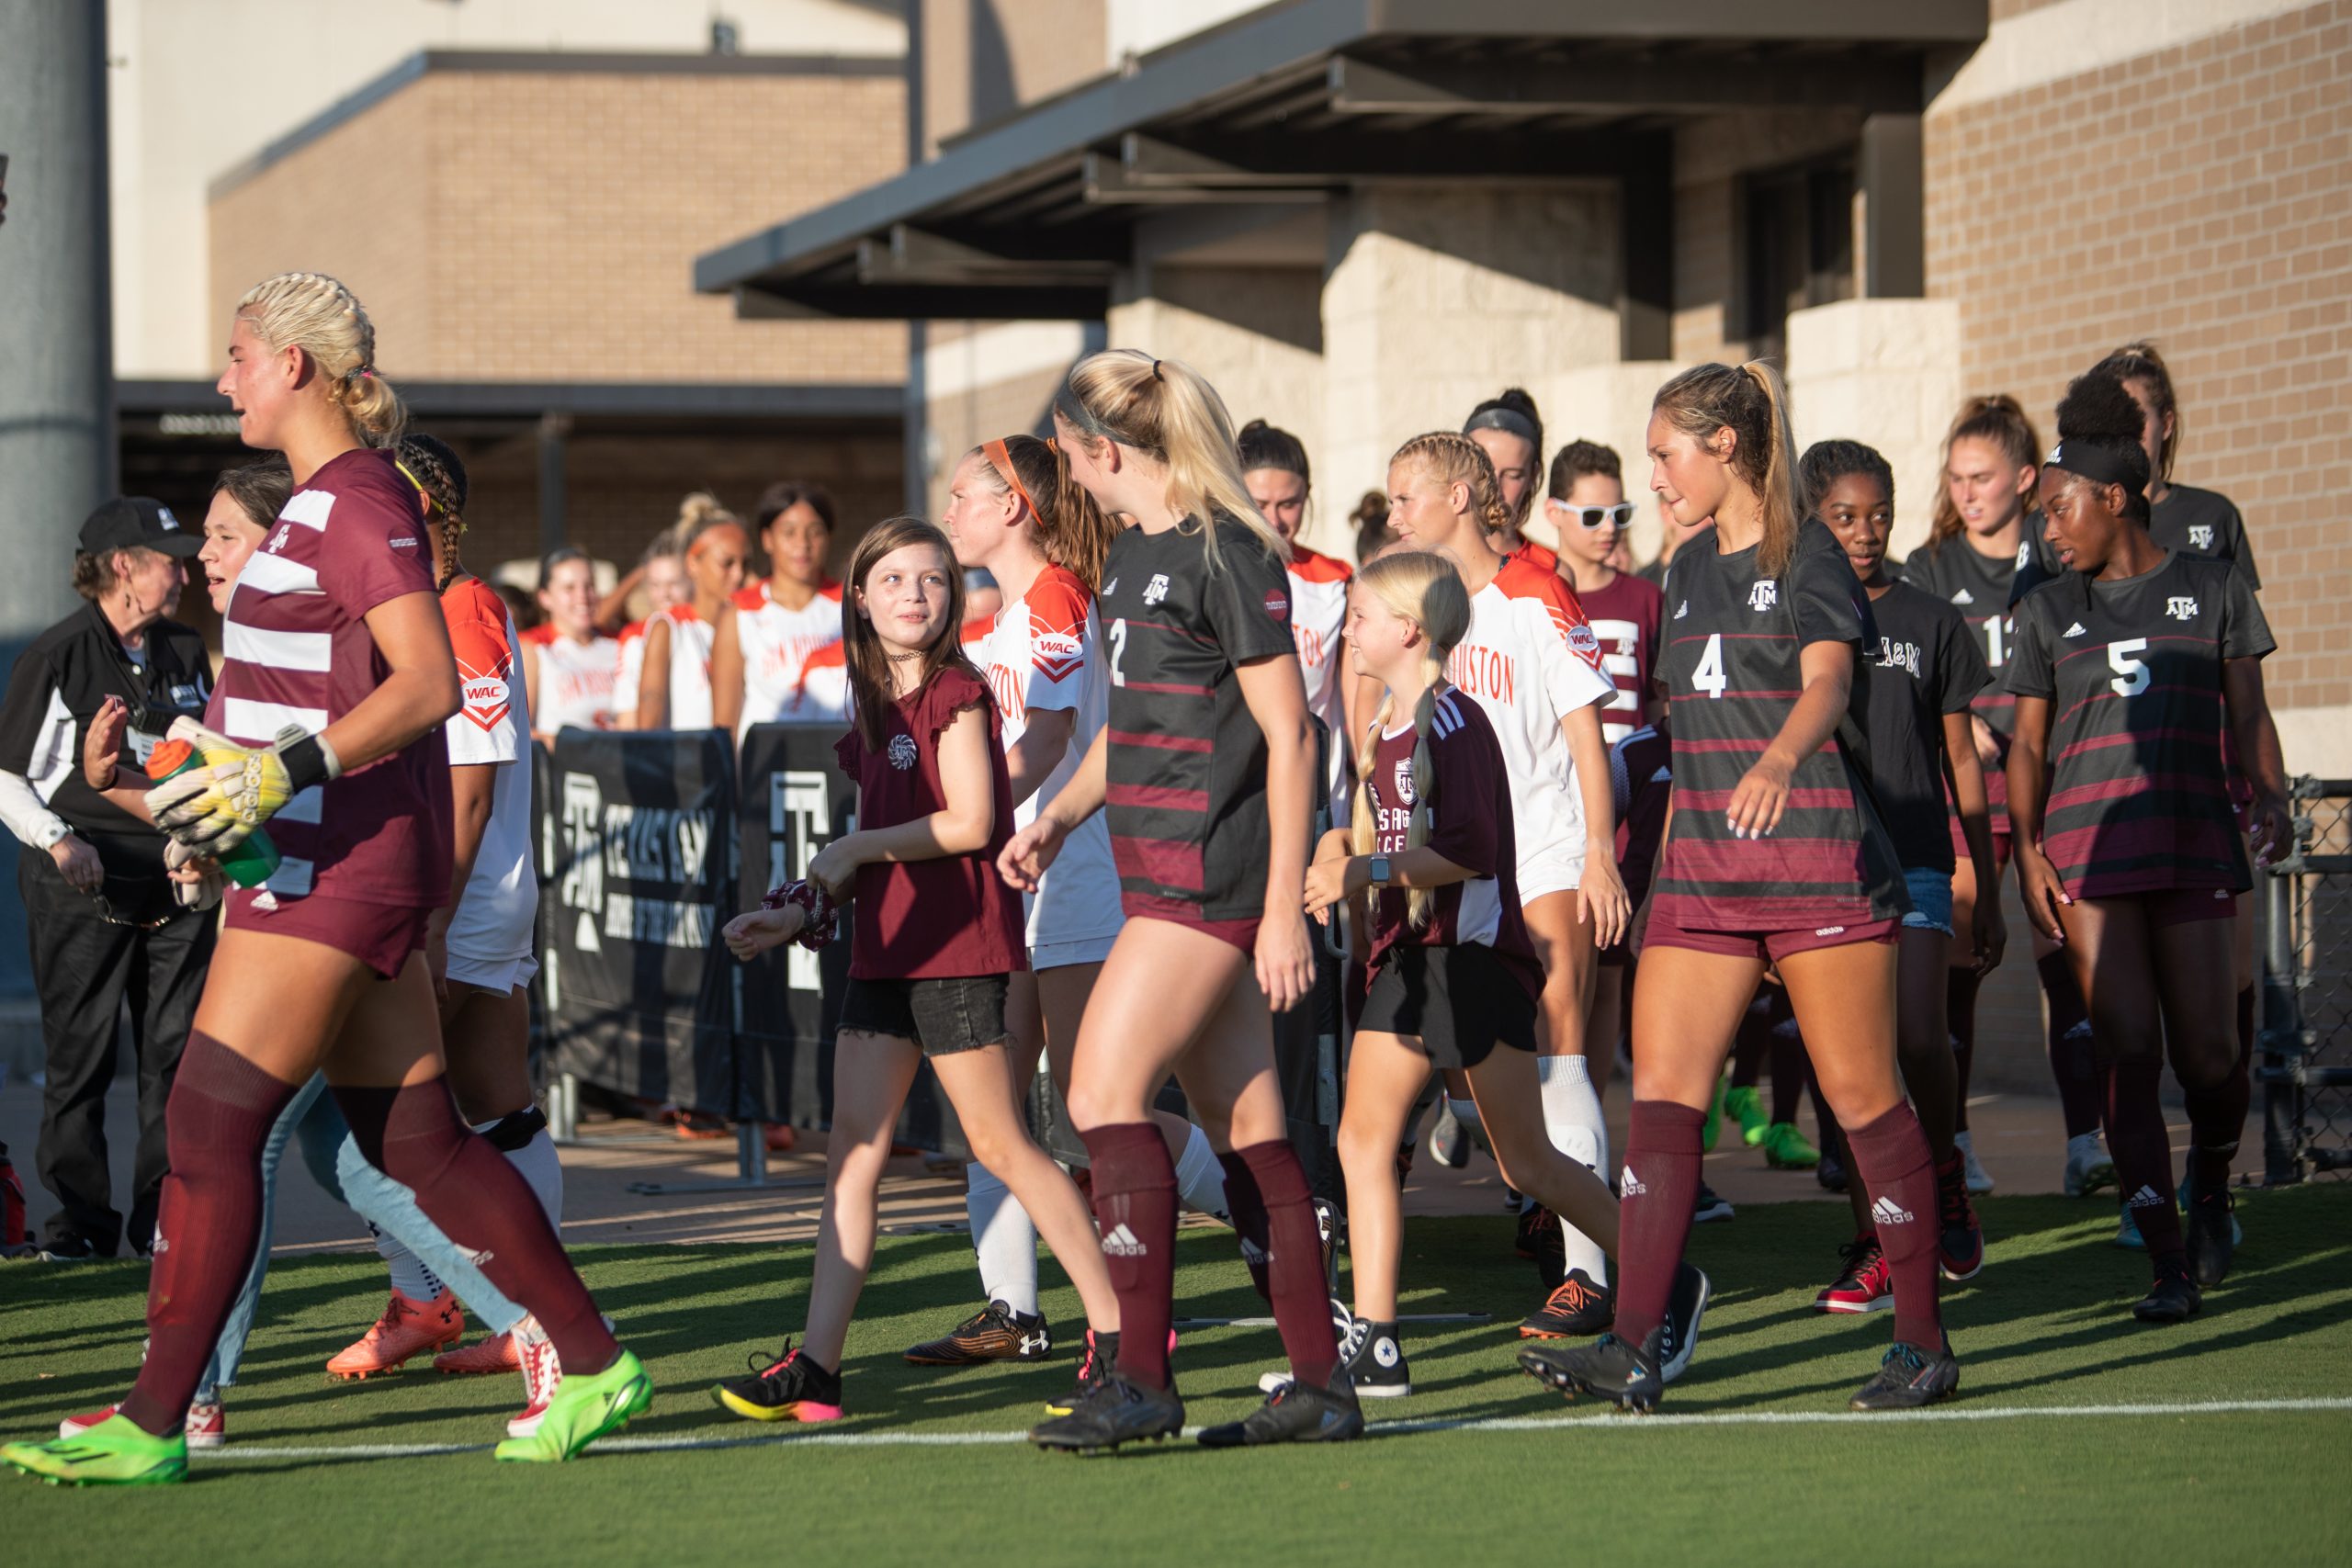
<point>2197,196</point>
<point>542,225</point>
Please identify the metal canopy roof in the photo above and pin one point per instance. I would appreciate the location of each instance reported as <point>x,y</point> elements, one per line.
<point>1031,216</point>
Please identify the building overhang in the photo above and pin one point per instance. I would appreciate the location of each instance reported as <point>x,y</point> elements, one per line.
<point>1030,217</point>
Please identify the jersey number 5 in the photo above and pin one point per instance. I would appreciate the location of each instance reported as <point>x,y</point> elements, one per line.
<point>1118,650</point>
<point>2131,674</point>
<point>1710,677</point>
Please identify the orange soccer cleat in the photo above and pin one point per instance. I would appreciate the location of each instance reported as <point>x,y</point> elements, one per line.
<point>407,1329</point>
<point>495,1354</point>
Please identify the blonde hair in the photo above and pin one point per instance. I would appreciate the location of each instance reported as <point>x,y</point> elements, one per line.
<point>1453,459</point>
<point>315,313</point>
<point>1748,400</point>
<point>1423,588</point>
<point>1165,410</point>
<point>699,513</point>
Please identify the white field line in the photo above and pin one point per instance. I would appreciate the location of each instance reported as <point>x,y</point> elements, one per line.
<point>1603,1422</point>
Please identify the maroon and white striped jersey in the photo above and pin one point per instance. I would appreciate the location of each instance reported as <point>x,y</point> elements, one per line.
<point>297,652</point>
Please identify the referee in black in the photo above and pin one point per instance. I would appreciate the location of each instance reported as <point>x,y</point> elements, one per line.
<point>104,925</point>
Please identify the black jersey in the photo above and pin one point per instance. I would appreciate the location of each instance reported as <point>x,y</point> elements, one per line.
<point>1186,800</point>
<point>1732,671</point>
<point>2189,521</point>
<point>1927,666</point>
<point>1979,587</point>
<point>2132,671</point>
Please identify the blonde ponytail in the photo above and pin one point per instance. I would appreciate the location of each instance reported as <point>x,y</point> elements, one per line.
<point>1425,589</point>
<point>1750,401</point>
<point>315,313</point>
<point>1167,411</point>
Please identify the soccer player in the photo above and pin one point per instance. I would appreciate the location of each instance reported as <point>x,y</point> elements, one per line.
<point>938,931</point>
<point>662,572</point>
<point>1274,465</point>
<point>768,630</point>
<point>1925,671</point>
<point>1014,511</point>
<point>1772,857</point>
<point>333,697</point>
<point>1511,432</point>
<point>674,688</point>
<point>568,666</point>
<point>1454,976</point>
<point>2125,671</point>
<point>1205,771</point>
<point>1533,665</point>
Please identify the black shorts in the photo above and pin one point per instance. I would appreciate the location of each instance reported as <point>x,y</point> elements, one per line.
<point>1459,1002</point>
<point>942,1016</point>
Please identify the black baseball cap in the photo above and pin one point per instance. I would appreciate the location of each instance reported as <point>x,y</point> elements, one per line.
<point>137,523</point>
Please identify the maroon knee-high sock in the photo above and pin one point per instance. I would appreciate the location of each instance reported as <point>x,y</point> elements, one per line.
<point>467,1187</point>
<point>1662,1155</point>
<point>2072,1065</point>
<point>1294,1282</point>
<point>1892,1160</point>
<point>219,1115</point>
<point>2142,1149</point>
<point>2217,1110</point>
<point>1135,1209</point>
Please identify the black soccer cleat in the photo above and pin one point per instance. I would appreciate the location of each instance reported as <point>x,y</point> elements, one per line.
<point>2174,1297</point>
<point>1959,1237</point>
<point>1616,1369</point>
<point>1374,1361</point>
<point>1101,1356</point>
<point>1709,1204</point>
<point>1579,1309</point>
<point>995,1333</point>
<point>2212,1237</point>
<point>1679,1335</point>
<point>1909,1378</point>
<point>1295,1413</point>
<point>789,1388</point>
<point>1116,1411</point>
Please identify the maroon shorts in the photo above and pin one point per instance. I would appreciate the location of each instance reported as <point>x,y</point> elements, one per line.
<point>1767,947</point>
<point>1242,934</point>
<point>2187,905</point>
<point>381,936</point>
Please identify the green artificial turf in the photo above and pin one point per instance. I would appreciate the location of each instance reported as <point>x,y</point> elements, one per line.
<point>2045,1327</point>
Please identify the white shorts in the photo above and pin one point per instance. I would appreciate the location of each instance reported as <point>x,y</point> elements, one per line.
<point>496,974</point>
<point>1062,955</point>
<point>1554,868</point>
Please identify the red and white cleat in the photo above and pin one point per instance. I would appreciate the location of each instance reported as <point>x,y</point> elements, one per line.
<point>1865,1285</point>
<point>407,1329</point>
<point>495,1354</point>
<point>541,1373</point>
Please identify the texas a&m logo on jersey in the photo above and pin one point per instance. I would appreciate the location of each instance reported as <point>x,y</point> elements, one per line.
<point>1405,791</point>
<point>1156,590</point>
<point>2201,535</point>
<point>1763,595</point>
<point>2181,608</point>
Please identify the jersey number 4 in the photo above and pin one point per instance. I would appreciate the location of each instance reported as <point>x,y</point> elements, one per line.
<point>1710,677</point>
<point>2131,674</point>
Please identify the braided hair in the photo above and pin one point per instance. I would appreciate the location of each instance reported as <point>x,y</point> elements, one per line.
<point>440,478</point>
<point>317,314</point>
<point>1453,459</point>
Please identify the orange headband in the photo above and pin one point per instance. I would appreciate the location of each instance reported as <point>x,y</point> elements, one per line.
<point>1002,461</point>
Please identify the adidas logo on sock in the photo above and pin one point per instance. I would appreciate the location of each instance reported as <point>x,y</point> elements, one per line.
<point>1887,1212</point>
<point>1253,1254</point>
<point>1122,1243</point>
<point>2145,1199</point>
<point>1631,1185</point>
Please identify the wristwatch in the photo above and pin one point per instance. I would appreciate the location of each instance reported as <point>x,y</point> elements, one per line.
<point>1380,871</point>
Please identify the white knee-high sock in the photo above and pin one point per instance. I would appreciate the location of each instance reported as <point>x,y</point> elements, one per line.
<point>1200,1177</point>
<point>538,1165</point>
<point>1572,1116</point>
<point>1005,1238</point>
<point>411,1278</point>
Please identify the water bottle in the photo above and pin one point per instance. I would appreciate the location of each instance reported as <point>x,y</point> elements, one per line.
<point>247,865</point>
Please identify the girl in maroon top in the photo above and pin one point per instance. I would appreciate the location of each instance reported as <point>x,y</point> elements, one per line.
<point>937,932</point>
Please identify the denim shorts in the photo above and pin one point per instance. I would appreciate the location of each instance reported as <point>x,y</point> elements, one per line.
<point>1931,892</point>
<point>942,1016</point>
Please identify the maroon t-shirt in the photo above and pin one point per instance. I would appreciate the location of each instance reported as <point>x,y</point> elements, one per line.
<point>1624,616</point>
<point>296,651</point>
<point>930,920</point>
<point>1470,818</point>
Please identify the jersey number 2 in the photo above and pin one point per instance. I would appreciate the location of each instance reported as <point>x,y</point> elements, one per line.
<point>1710,677</point>
<point>1118,650</point>
<point>2131,674</point>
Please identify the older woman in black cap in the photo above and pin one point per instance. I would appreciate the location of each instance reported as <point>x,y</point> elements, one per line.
<point>104,921</point>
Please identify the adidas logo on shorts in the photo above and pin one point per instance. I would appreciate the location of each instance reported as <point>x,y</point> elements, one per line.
<point>1887,1212</point>
<point>2145,1199</point>
<point>1632,1187</point>
<point>1122,1243</point>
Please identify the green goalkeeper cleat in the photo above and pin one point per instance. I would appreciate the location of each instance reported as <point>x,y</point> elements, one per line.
<point>112,1453</point>
<point>584,1409</point>
<point>1745,1106</point>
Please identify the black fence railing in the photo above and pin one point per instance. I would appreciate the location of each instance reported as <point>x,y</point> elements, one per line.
<point>2305,1045</point>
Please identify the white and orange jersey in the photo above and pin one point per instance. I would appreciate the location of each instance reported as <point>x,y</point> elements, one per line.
<point>1319,609</point>
<point>576,679</point>
<point>690,640</point>
<point>821,694</point>
<point>776,642</point>
<point>491,925</point>
<point>1043,651</point>
<point>631,669</point>
<point>1529,661</point>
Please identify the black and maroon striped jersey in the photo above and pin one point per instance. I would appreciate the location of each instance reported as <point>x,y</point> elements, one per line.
<point>2191,521</point>
<point>1731,667</point>
<point>1927,666</point>
<point>1470,823</point>
<point>2138,798</point>
<point>1186,799</point>
<point>1979,587</point>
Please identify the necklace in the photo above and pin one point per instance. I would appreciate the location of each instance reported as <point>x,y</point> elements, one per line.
<point>903,658</point>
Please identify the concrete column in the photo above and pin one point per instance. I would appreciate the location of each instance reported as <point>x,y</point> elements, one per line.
<point>57,422</point>
<point>1437,296</point>
<point>1886,372</point>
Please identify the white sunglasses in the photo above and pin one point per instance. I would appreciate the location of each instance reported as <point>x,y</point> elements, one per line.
<point>1592,517</point>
